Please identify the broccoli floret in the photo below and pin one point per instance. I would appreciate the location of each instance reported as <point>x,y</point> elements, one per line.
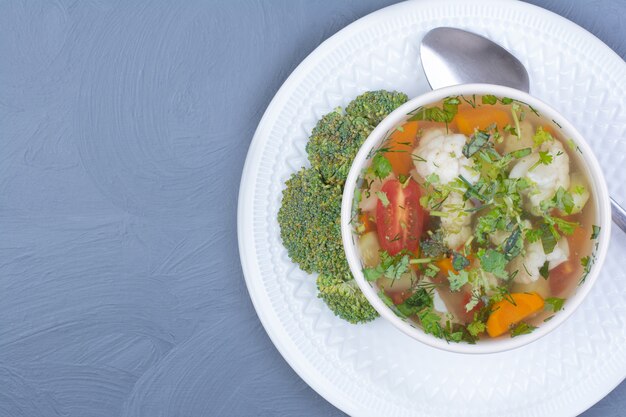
<point>333,144</point>
<point>376,105</point>
<point>344,297</point>
<point>309,219</point>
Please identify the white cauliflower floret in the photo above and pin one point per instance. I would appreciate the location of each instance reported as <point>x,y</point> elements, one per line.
<point>528,265</point>
<point>546,178</point>
<point>525,140</point>
<point>456,224</point>
<point>442,154</point>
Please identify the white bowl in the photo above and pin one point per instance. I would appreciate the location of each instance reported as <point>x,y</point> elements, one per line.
<point>599,192</point>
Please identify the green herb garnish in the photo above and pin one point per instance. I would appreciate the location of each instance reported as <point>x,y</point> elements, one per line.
<point>522,328</point>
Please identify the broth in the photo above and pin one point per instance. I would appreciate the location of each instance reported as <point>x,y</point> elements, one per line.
<point>475,218</point>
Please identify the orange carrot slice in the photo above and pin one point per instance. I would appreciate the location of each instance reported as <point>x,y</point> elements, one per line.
<point>479,118</point>
<point>506,314</point>
<point>401,144</point>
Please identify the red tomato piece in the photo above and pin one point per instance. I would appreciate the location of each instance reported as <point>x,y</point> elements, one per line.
<point>399,223</point>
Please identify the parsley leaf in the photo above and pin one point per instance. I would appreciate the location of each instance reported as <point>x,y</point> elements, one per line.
<point>476,142</point>
<point>392,267</point>
<point>457,280</point>
<point>381,166</point>
<point>445,114</point>
<point>595,232</point>
<point>564,226</point>
<point>522,328</point>
<point>383,198</point>
<point>489,99</point>
<point>494,262</point>
<point>476,327</point>
<point>533,235</point>
<point>434,247</point>
<point>417,301</point>
<point>549,237</point>
<point>554,303</point>
<point>430,321</point>
<point>513,244</point>
<point>541,136</point>
<point>545,158</point>
<point>520,153</point>
<point>473,302</point>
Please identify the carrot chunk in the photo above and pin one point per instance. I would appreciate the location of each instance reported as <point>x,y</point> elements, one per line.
<point>401,144</point>
<point>506,314</point>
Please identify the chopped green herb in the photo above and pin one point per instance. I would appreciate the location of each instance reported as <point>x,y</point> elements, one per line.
<point>522,328</point>
<point>457,280</point>
<point>544,271</point>
<point>489,99</point>
<point>476,327</point>
<point>474,300</point>
<point>381,166</point>
<point>476,142</point>
<point>392,267</point>
<point>382,196</point>
<point>445,114</point>
<point>513,244</point>
<point>520,153</point>
<point>494,262</point>
<point>434,247</point>
<point>554,303</point>
<point>432,178</point>
<point>548,238</point>
<point>541,136</point>
<point>430,321</point>
<point>545,158</point>
<point>595,232</point>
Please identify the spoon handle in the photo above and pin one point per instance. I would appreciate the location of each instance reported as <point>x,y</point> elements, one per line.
<point>618,214</point>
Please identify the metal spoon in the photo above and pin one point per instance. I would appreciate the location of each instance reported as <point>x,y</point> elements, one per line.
<point>453,56</point>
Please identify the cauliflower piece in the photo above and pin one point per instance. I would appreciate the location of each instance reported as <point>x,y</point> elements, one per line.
<point>456,225</point>
<point>546,179</point>
<point>525,140</point>
<point>442,154</point>
<point>528,266</point>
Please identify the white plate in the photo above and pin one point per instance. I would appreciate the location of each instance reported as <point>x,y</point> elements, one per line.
<point>374,369</point>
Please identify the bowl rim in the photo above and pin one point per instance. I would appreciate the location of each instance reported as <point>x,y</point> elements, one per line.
<point>599,190</point>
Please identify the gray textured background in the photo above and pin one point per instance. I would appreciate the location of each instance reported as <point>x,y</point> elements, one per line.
<point>123,131</point>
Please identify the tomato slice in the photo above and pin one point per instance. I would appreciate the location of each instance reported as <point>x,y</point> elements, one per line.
<point>399,224</point>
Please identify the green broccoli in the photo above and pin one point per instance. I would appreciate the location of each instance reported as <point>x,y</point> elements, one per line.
<point>333,144</point>
<point>309,219</point>
<point>344,297</point>
<point>310,213</point>
<point>376,105</point>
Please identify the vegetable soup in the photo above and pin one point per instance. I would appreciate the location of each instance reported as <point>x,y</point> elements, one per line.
<point>475,218</point>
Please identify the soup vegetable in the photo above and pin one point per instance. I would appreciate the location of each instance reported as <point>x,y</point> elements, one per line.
<point>474,219</point>
<point>310,213</point>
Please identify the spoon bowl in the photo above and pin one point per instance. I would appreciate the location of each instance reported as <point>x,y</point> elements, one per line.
<point>453,56</point>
